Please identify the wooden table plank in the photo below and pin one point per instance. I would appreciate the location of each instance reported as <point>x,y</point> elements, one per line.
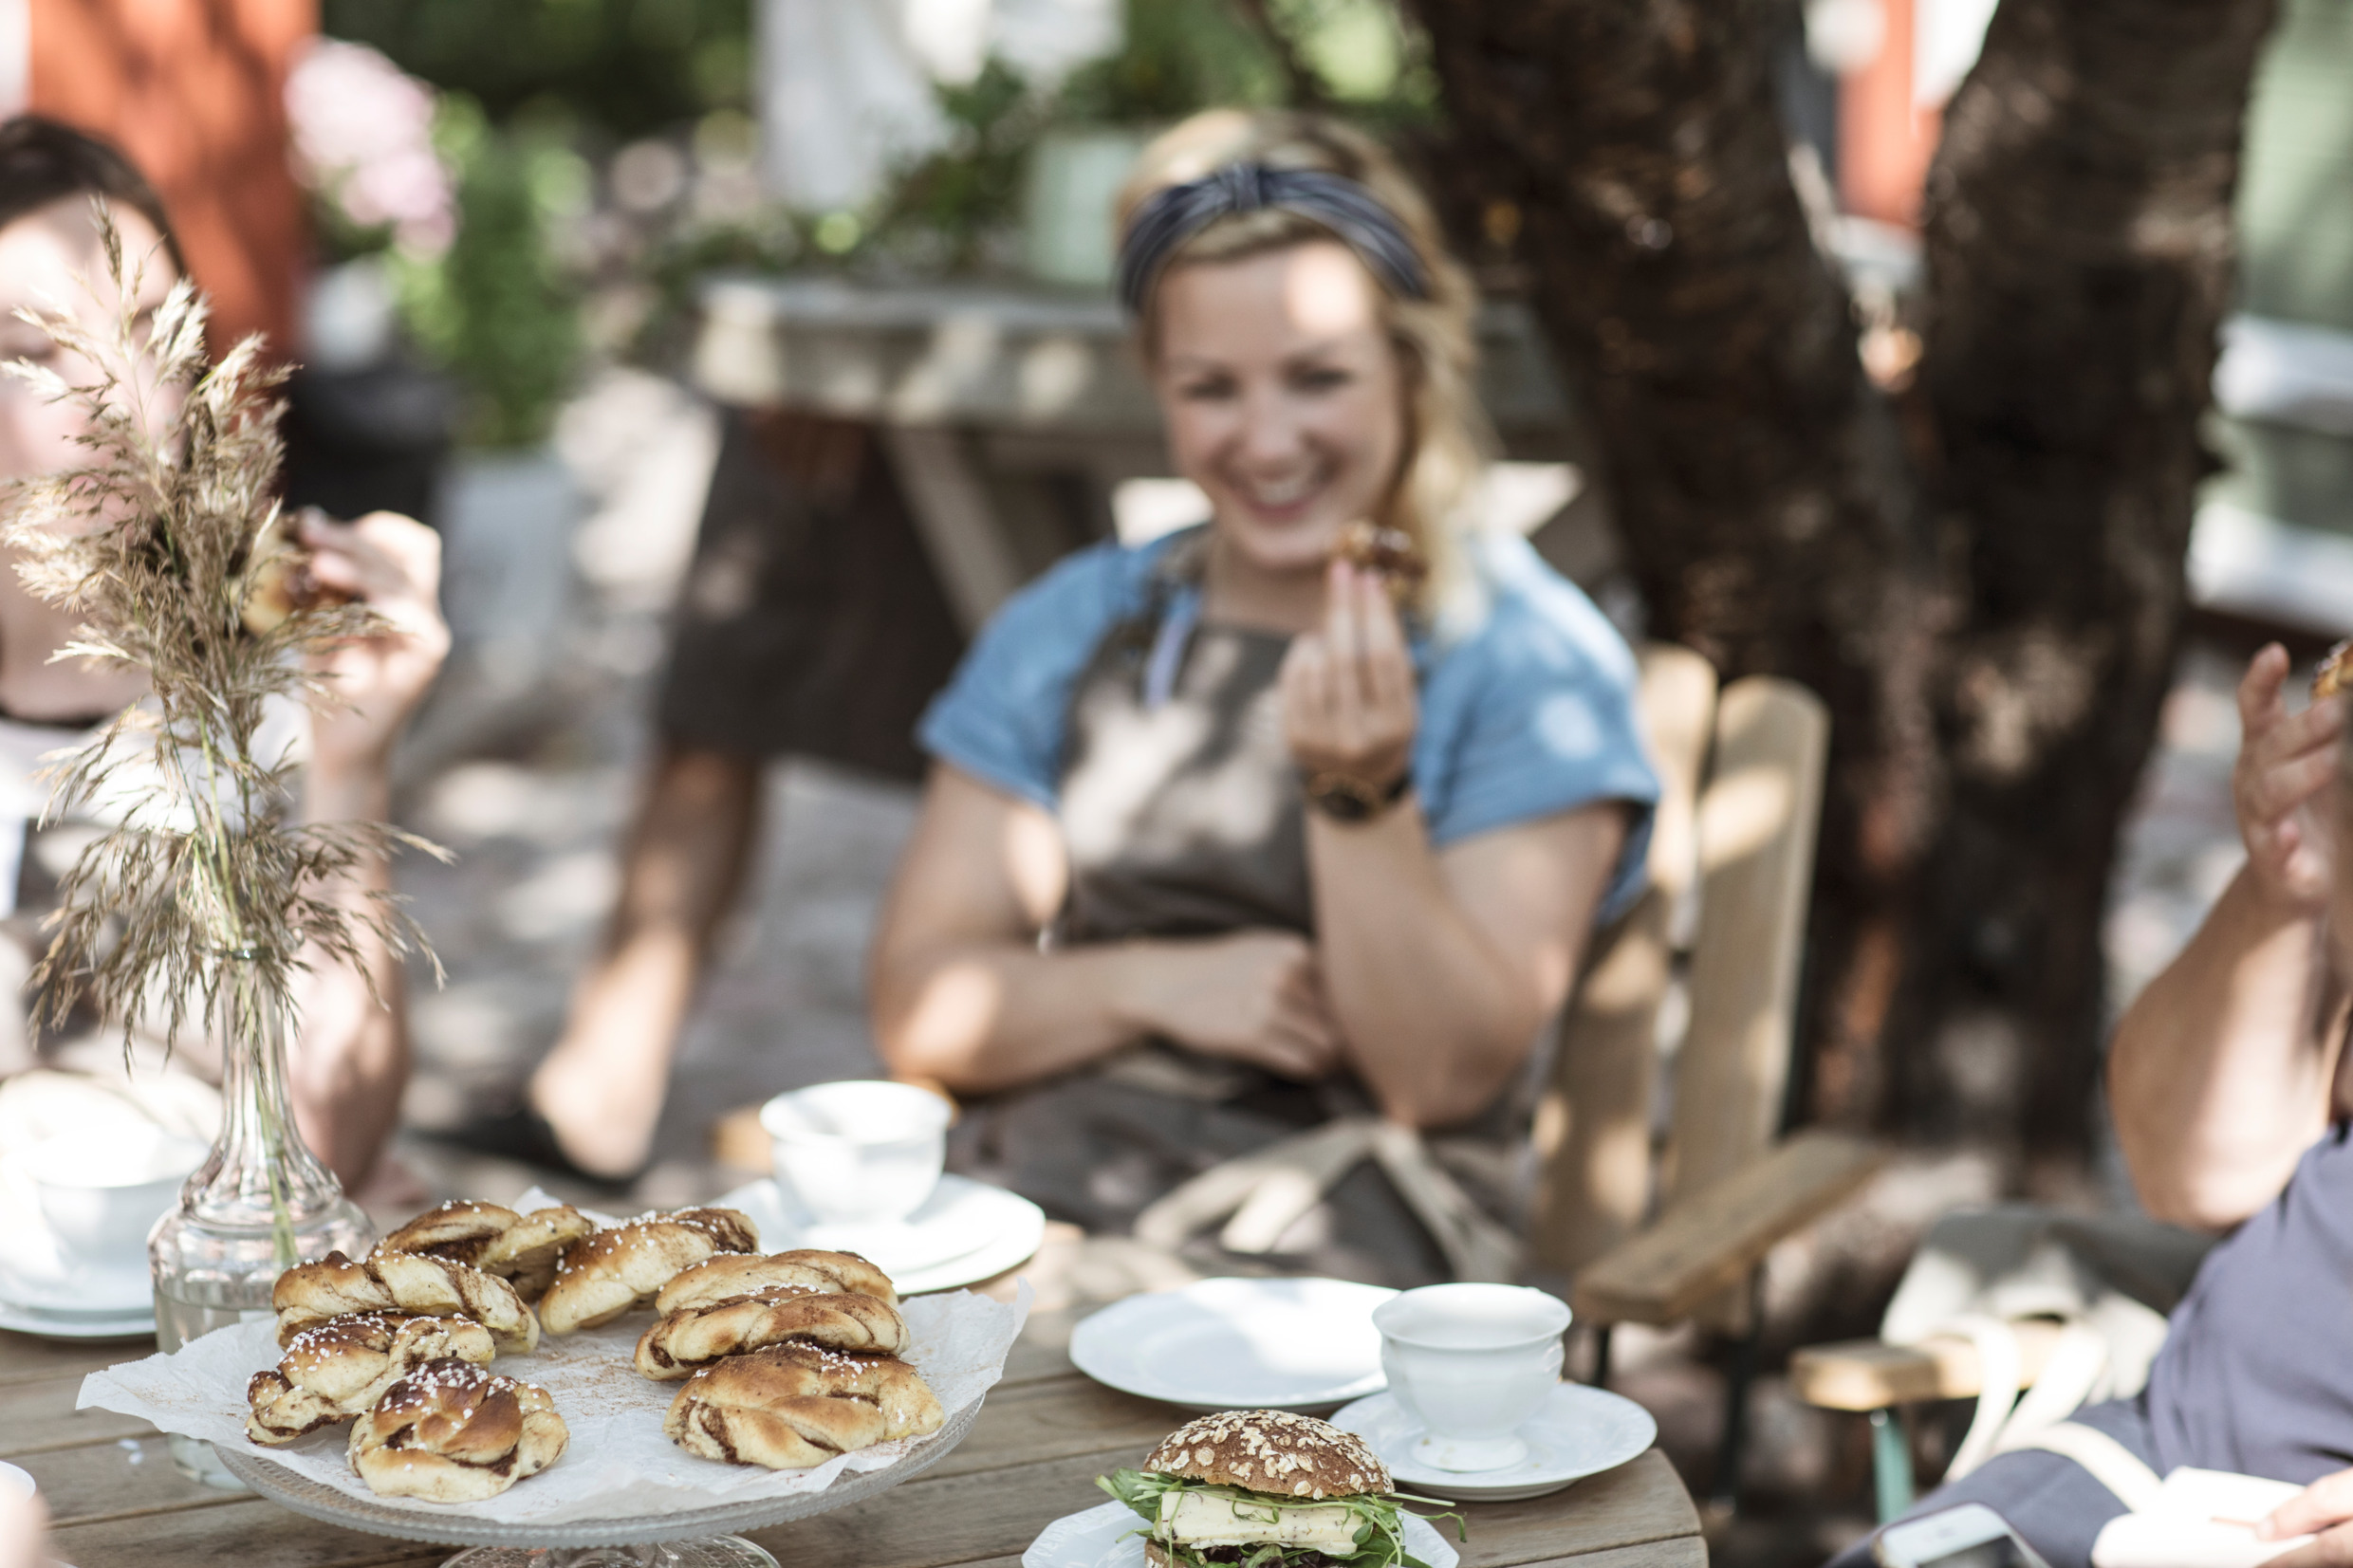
<point>247,1532</point>
<point>116,1480</point>
<point>23,1358</point>
<point>39,1415</point>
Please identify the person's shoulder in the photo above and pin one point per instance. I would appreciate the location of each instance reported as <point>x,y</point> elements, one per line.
<point>1078,597</point>
<point>1523,619</point>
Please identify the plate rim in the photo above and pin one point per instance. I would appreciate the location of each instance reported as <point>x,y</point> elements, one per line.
<point>960,1270</point>
<point>1464,1483</point>
<point>1084,1332</point>
<point>1099,1507</point>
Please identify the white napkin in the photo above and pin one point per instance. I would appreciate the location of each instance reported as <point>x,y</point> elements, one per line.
<point>618,1465</point>
<point>2202,1519</point>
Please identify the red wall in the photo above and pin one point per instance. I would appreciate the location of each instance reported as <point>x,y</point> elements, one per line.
<point>1884,143</point>
<point>193,90</point>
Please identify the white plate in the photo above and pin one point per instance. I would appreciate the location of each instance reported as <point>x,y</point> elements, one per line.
<point>1105,1537</point>
<point>1239,1345</point>
<point>1576,1432</point>
<point>77,1325</point>
<point>35,1277</point>
<point>966,1230</point>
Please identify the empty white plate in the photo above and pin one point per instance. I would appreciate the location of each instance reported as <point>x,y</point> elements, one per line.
<point>1576,1432</point>
<point>967,1230</point>
<point>1239,1345</point>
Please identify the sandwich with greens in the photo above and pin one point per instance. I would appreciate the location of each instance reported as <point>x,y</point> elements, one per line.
<point>1266,1489</point>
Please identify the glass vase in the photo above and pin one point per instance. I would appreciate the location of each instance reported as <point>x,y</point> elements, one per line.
<point>261,1202</point>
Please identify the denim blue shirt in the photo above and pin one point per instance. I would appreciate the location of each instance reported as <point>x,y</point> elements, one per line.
<point>1526,694</point>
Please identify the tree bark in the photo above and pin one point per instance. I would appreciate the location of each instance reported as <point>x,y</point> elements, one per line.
<point>2080,257</point>
<point>1985,582</point>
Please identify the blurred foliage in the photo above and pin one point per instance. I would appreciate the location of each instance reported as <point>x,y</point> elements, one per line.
<point>625,67</point>
<point>498,309</point>
<point>1356,57</point>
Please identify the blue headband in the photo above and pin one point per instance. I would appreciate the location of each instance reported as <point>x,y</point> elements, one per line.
<point>1353,214</point>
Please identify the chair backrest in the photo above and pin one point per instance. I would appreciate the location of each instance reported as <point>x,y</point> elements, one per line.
<point>1593,1120</point>
<point>1742,777</point>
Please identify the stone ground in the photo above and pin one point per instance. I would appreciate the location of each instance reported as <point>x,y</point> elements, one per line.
<point>524,766</point>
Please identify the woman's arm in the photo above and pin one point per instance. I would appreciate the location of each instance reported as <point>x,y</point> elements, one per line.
<point>351,1061</point>
<point>2220,1073</point>
<point>1440,967</point>
<point>962,994</point>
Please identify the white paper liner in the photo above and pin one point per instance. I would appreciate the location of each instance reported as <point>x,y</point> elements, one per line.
<point>1103,1537</point>
<point>618,1465</point>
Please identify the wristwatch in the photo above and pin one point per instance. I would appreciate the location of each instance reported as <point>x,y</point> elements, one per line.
<point>1345,798</point>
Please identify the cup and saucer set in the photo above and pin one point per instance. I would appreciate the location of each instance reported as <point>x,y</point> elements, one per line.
<point>74,1217</point>
<point>858,1168</point>
<point>1458,1388</point>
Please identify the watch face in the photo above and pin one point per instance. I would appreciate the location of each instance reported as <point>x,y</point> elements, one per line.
<point>1340,797</point>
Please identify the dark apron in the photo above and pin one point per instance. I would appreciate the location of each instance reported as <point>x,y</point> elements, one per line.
<point>1181,816</point>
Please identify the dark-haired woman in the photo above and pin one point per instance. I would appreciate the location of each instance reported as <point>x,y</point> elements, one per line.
<point>350,1063</point>
<point>1223,847</point>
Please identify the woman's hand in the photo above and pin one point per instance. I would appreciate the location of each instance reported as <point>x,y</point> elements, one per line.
<point>1255,996</point>
<point>2322,1510</point>
<point>2285,760</point>
<point>393,563</point>
<point>1348,701</point>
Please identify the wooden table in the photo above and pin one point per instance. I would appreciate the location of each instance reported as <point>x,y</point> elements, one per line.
<point>1043,1436</point>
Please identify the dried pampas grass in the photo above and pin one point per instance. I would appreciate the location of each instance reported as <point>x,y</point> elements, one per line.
<point>156,542</point>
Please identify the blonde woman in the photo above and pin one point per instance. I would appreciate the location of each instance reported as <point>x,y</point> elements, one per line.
<point>1219,843</point>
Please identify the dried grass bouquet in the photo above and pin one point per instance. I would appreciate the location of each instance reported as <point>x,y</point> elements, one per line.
<point>160,542</point>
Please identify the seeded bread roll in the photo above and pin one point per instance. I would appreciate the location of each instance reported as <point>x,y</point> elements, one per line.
<point>450,1433</point>
<point>1271,1451</point>
<point>519,1248</point>
<point>789,1407</point>
<point>333,1371</point>
<point>696,1336</point>
<point>403,1284</point>
<point>731,1275</point>
<point>606,1274</point>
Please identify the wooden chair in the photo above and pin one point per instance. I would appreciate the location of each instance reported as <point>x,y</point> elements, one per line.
<point>1660,1231</point>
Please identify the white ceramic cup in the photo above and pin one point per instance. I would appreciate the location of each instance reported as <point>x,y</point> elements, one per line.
<point>1470,1362</point>
<point>16,1481</point>
<point>858,1151</point>
<point>101,1197</point>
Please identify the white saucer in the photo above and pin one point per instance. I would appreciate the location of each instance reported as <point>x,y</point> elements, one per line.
<point>35,1276</point>
<point>1239,1345</point>
<point>1576,1432</point>
<point>79,1325</point>
<point>1110,1536</point>
<point>967,1230</point>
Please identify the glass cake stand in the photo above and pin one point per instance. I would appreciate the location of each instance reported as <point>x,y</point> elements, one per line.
<point>684,1538</point>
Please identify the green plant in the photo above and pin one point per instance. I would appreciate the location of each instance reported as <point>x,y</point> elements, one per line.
<point>627,67</point>
<point>498,308</point>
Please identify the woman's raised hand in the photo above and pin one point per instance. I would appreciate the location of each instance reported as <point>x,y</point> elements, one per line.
<point>394,564</point>
<point>1348,701</point>
<point>2285,760</point>
<point>1255,996</point>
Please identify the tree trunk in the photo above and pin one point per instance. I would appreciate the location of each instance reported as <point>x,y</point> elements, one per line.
<point>1960,575</point>
<point>2080,252</point>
